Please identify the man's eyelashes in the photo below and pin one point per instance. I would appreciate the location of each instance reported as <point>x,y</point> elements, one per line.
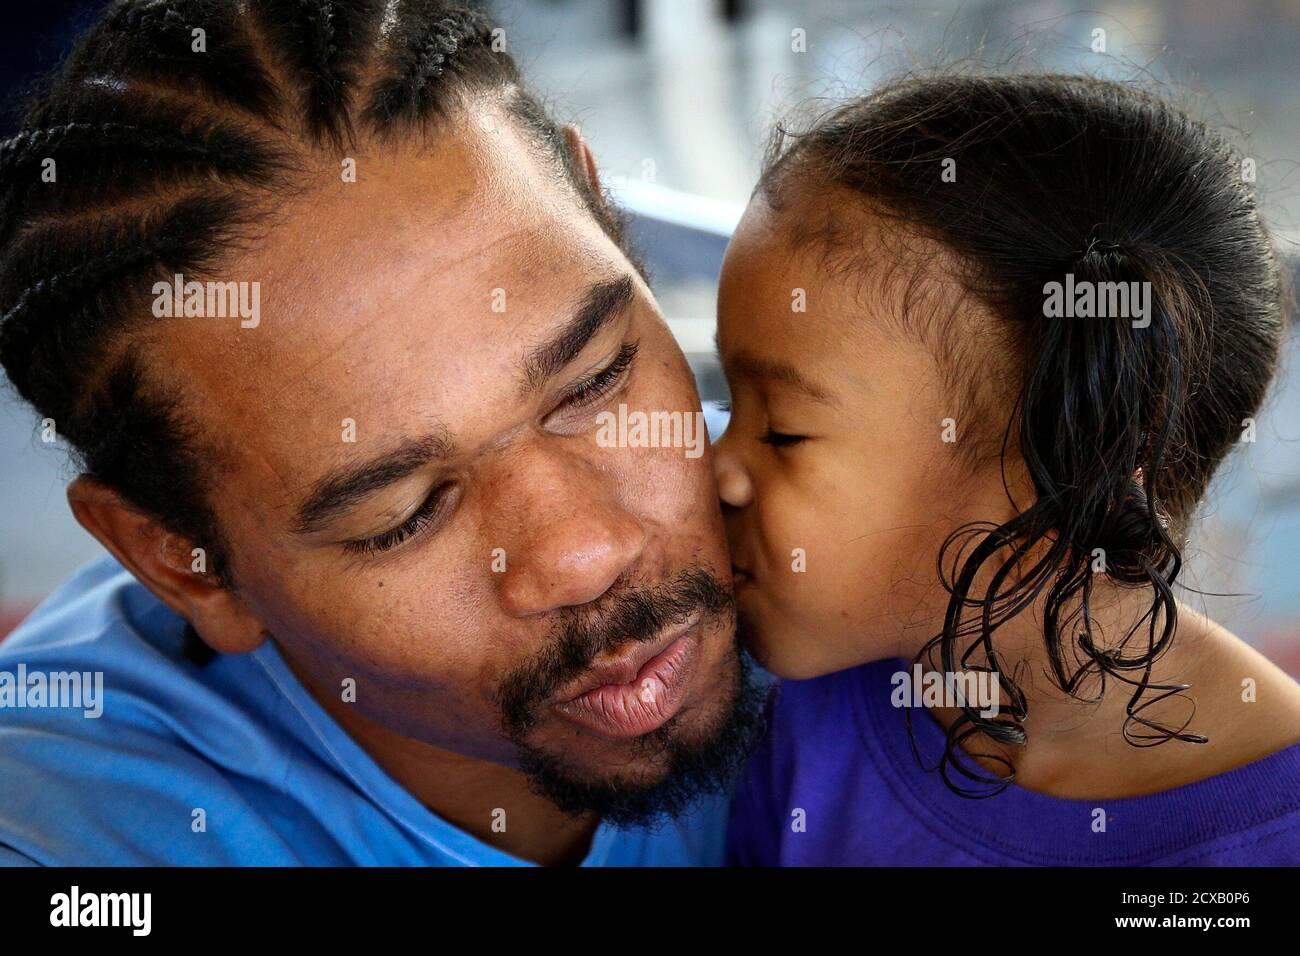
<point>435,508</point>
<point>430,512</point>
<point>593,388</point>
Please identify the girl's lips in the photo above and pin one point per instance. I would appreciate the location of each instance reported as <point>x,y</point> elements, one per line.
<point>740,578</point>
<point>645,703</point>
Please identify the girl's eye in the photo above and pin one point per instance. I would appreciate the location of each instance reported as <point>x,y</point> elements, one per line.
<point>779,439</point>
<point>598,385</point>
<point>429,513</point>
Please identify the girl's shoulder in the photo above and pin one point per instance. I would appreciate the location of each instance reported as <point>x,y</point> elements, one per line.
<point>810,767</point>
<point>826,715</point>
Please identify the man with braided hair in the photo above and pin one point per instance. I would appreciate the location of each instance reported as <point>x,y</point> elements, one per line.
<point>376,593</point>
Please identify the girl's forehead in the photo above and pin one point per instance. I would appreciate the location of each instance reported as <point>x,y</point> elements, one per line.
<point>836,268</point>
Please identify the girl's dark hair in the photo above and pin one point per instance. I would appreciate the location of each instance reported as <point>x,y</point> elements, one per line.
<point>171,129</point>
<point>1119,426</point>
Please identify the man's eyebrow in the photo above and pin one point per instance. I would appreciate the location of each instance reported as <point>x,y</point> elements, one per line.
<point>345,486</point>
<point>602,304</point>
<point>779,370</point>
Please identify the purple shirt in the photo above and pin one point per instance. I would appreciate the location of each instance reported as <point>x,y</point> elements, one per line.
<point>839,752</point>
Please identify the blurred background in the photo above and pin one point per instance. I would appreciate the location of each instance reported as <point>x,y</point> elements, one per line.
<point>676,98</point>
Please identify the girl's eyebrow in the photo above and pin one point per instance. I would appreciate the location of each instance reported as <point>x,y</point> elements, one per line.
<point>747,365</point>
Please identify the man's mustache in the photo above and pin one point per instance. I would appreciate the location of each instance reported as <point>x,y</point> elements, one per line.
<point>580,635</point>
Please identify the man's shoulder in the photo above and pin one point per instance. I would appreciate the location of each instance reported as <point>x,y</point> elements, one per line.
<point>100,654</point>
<point>91,606</point>
<point>103,746</point>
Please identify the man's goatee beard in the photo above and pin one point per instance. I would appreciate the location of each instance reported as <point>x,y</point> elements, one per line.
<point>693,768</point>
<point>682,763</point>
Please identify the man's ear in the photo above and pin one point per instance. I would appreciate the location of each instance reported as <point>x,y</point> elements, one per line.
<point>585,158</point>
<point>167,565</point>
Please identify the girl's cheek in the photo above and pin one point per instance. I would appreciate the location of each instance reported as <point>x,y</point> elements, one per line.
<point>779,521</point>
<point>796,562</point>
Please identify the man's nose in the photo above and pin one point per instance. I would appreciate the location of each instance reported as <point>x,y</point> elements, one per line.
<point>569,537</point>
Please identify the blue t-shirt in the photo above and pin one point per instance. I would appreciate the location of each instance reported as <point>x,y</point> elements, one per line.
<point>231,763</point>
<point>836,783</point>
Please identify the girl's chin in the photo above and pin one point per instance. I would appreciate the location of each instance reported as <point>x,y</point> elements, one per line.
<point>788,653</point>
<point>793,649</point>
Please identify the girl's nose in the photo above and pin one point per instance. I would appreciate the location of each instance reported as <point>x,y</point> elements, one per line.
<point>734,485</point>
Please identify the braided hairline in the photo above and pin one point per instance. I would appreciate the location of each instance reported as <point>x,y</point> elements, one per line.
<point>87,373</point>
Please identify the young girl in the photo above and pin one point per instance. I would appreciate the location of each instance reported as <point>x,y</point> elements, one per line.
<point>988,340</point>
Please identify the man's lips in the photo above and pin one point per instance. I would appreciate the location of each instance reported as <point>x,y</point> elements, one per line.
<point>639,690</point>
<point>740,577</point>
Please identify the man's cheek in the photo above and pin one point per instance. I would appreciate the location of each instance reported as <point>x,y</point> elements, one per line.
<point>683,487</point>
<point>656,484</point>
<point>451,718</point>
<point>432,683</point>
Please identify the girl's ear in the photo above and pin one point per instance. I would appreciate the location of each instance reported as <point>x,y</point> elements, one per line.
<point>583,156</point>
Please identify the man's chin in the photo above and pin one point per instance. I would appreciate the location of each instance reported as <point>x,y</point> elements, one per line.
<point>661,773</point>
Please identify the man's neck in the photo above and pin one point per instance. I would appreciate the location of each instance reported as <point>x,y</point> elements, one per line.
<point>491,802</point>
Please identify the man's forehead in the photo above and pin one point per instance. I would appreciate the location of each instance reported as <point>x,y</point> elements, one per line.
<point>463,206</point>
<point>388,299</point>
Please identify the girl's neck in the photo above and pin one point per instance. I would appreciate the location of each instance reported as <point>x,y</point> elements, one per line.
<point>1245,705</point>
